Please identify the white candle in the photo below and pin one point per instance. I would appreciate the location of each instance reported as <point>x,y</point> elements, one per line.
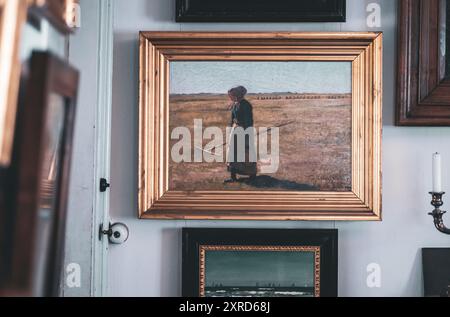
<point>437,173</point>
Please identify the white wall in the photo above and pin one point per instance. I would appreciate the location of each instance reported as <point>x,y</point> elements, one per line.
<point>149,264</point>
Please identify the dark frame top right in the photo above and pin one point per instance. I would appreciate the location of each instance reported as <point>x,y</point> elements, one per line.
<point>423,81</point>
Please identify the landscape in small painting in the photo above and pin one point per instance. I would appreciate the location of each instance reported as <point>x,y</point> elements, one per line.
<point>299,118</point>
<point>256,273</point>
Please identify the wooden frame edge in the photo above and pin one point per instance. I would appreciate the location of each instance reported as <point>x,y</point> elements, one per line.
<point>182,15</point>
<point>10,28</point>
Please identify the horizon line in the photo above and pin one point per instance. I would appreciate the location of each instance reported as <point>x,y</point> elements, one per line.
<point>262,93</point>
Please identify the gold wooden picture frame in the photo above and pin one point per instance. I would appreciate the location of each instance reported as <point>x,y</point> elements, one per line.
<point>12,16</point>
<point>157,201</point>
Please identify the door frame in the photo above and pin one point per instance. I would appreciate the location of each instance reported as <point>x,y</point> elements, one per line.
<point>102,154</point>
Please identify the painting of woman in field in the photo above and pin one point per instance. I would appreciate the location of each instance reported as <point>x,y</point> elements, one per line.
<point>241,117</point>
<point>290,129</point>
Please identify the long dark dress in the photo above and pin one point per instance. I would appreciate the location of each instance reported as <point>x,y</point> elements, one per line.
<point>242,116</point>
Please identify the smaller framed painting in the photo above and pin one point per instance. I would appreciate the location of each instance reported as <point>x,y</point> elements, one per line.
<point>436,272</point>
<point>423,66</point>
<point>260,11</point>
<point>260,263</point>
<point>39,178</point>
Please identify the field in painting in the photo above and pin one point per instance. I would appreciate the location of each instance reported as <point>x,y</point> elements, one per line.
<point>315,149</point>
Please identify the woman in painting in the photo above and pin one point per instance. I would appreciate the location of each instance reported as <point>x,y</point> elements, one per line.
<point>241,117</point>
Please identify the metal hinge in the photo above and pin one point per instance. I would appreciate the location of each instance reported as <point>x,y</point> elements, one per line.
<point>117,233</point>
<point>102,232</point>
<point>104,185</point>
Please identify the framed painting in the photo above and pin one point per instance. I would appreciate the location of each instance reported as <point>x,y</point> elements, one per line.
<point>12,16</point>
<point>423,63</point>
<point>260,11</point>
<point>262,126</point>
<point>436,272</point>
<point>39,178</point>
<point>260,263</point>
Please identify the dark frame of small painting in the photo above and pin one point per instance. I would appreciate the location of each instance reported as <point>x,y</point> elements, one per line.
<point>261,11</point>
<point>37,194</point>
<point>208,253</point>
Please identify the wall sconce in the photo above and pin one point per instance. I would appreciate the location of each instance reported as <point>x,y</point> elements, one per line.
<point>438,213</point>
<point>437,194</point>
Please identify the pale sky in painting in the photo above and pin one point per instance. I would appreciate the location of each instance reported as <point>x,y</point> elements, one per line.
<point>260,77</point>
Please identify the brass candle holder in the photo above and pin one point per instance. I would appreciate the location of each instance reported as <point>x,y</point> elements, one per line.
<point>437,213</point>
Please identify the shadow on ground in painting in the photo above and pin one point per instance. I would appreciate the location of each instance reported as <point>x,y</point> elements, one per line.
<point>264,182</point>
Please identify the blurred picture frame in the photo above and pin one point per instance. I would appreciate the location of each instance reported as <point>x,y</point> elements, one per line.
<point>260,11</point>
<point>259,263</point>
<point>39,178</point>
<point>13,15</point>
